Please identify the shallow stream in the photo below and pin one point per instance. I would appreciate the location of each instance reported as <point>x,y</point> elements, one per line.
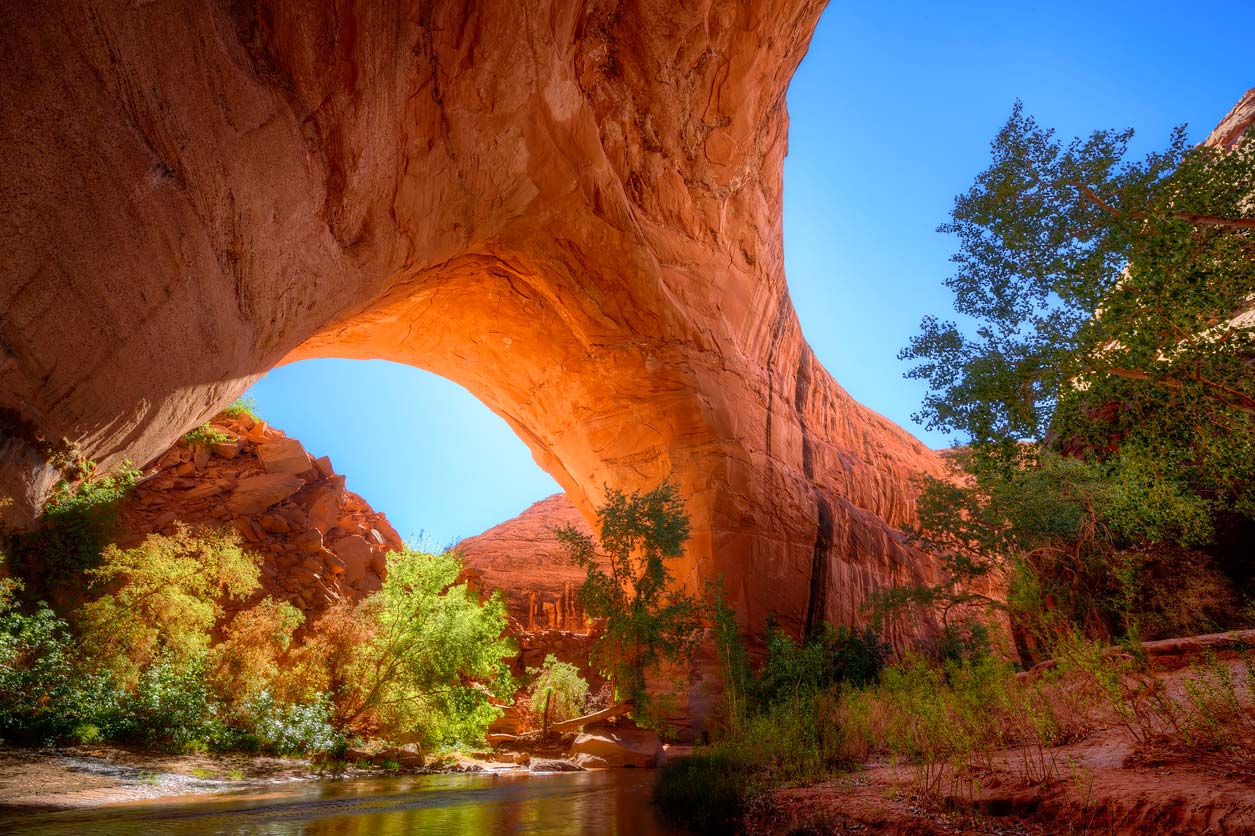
<point>610,802</point>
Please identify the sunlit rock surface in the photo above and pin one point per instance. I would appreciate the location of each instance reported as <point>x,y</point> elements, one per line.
<point>571,209</point>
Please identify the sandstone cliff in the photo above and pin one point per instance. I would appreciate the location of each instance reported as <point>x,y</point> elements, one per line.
<point>571,207</point>
<point>523,558</point>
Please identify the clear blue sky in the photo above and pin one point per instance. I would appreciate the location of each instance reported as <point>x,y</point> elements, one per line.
<point>892,112</point>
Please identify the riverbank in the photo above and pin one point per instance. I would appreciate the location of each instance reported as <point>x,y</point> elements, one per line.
<point>77,777</point>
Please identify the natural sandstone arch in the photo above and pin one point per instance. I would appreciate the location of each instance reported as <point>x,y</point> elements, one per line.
<point>571,208</point>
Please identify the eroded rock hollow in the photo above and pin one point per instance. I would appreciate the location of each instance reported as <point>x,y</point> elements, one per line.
<point>573,209</point>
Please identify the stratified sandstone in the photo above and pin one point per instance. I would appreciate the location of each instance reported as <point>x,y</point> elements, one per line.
<point>573,209</point>
<point>523,558</point>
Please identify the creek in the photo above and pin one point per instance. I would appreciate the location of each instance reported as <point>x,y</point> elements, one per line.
<point>613,802</point>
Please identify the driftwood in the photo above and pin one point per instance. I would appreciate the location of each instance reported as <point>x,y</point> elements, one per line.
<point>1167,648</point>
<point>597,716</point>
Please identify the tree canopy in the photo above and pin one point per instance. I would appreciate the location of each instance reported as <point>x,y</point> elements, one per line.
<point>648,620</point>
<point>1105,305</point>
<point>1100,371</point>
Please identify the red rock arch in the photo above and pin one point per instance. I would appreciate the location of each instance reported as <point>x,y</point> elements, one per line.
<point>571,208</point>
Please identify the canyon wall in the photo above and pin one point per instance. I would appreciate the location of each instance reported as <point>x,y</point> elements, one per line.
<point>571,208</point>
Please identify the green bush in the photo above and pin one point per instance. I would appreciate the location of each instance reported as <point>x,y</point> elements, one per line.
<point>206,435</point>
<point>75,526</point>
<point>172,708</point>
<point>286,728</point>
<point>829,657</point>
<point>241,406</point>
<point>559,689</point>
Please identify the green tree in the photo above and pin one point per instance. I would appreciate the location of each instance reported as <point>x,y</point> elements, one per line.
<point>1103,300</point>
<point>162,599</point>
<point>648,621</point>
<point>1100,373</point>
<point>429,654</point>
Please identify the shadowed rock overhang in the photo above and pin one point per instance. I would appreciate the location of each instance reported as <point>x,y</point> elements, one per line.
<point>572,209</point>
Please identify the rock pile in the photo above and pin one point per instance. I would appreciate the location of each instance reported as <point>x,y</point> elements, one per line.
<point>319,543</point>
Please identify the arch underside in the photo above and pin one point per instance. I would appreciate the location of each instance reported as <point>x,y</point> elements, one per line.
<point>571,209</point>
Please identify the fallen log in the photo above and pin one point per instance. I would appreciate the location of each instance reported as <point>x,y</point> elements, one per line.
<point>597,716</point>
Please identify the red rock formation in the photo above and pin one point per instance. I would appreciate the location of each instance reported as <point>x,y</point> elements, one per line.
<point>318,542</point>
<point>571,208</point>
<point>1236,124</point>
<point>523,558</point>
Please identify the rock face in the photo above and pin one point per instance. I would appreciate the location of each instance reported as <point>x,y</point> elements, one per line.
<point>571,208</point>
<point>303,558</point>
<point>523,558</point>
<point>606,747</point>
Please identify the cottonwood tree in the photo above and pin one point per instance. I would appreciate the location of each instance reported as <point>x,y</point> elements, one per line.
<point>648,620</point>
<point>1107,317</point>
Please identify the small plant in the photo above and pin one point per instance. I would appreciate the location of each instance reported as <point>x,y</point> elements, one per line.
<point>77,521</point>
<point>239,407</point>
<point>558,691</point>
<point>85,734</point>
<point>206,435</point>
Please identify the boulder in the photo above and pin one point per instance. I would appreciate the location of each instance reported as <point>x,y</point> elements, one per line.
<point>322,503</point>
<point>257,493</point>
<point>602,747</point>
<point>554,766</point>
<point>283,455</point>
<point>356,554</point>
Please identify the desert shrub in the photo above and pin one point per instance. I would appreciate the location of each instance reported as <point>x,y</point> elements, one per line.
<point>828,657</point>
<point>558,691</point>
<point>170,706</point>
<point>205,435</point>
<point>246,662</point>
<point>966,640</point>
<point>241,406</point>
<point>75,525</point>
<point>162,599</point>
<point>40,697</point>
<point>266,724</point>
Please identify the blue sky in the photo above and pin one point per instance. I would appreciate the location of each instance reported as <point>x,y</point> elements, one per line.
<point>891,116</point>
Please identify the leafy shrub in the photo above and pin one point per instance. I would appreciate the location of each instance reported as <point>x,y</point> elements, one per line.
<point>76,523</point>
<point>286,728</point>
<point>241,406</point>
<point>828,657</point>
<point>558,691</point>
<point>206,435</point>
<point>171,707</point>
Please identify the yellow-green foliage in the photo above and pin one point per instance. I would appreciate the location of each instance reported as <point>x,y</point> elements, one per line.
<point>206,434</point>
<point>241,406</point>
<point>246,662</point>
<point>162,598</point>
<point>558,688</point>
<point>419,658</point>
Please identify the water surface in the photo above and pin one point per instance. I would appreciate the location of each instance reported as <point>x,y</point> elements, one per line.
<point>611,802</point>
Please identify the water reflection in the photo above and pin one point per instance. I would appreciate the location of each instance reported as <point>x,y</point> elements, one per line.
<point>612,802</point>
